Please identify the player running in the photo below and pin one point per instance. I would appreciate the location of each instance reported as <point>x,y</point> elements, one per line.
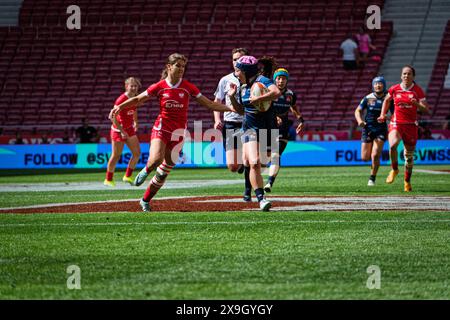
<point>408,98</point>
<point>374,134</point>
<point>254,120</point>
<point>232,123</point>
<point>123,130</point>
<point>285,103</point>
<point>167,135</point>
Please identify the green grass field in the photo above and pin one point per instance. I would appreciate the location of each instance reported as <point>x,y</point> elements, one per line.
<point>227,255</point>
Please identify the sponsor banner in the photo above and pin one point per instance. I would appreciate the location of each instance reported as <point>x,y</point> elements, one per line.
<point>145,137</point>
<point>207,154</point>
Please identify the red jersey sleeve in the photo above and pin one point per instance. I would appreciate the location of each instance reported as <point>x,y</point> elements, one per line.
<point>193,90</point>
<point>153,89</point>
<point>391,91</point>
<point>121,99</point>
<point>420,93</point>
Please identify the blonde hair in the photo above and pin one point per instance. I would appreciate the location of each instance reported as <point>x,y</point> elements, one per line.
<point>130,79</point>
<point>172,59</point>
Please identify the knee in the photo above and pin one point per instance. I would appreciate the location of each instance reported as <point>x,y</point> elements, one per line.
<point>153,163</point>
<point>255,165</point>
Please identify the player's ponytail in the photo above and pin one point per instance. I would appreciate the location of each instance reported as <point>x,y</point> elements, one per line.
<point>172,59</point>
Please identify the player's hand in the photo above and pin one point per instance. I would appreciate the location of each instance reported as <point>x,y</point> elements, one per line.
<point>233,90</point>
<point>218,125</point>
<point>279,121</point>
<point>300,128</point>
<point>113,113</point>
<point>381,119</point>
<point>254,99</point>
<point>136,126</point>
<point>124,135</point>
<point>415,103</point>
<point>362,124</point>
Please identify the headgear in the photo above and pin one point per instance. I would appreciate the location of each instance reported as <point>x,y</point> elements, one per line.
<point>248,65</point>
<point>379,79</point>
<point>280,72</point>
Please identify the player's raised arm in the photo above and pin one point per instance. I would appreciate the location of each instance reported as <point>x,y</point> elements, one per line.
<point>384,108</point>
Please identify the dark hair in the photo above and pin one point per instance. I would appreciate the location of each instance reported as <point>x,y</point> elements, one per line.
<point>240,50</point>
<point>172,59</point>
<point>267,66</point>
<point>411,67</point>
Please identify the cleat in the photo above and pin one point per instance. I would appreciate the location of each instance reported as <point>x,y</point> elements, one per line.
<point>140,178</point>
<point>408,187</point>
<point>265,205</point>
<point>371,183</point>
<point>240,169</point>
<point>108,183</point>
<point>391,176</point>
<point>128,180</point>
<point>145,206</point>
<point>268,187</point>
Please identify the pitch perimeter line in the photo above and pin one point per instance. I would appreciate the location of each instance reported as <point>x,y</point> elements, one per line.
<point>91,224</point>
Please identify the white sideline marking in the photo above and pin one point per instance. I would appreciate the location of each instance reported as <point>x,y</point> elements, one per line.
<point>51,205</point>
<point>355,203</point>
<point>332,203</point>
<point>96,186</point>
<point>431,171</point>
<point>213,222</point>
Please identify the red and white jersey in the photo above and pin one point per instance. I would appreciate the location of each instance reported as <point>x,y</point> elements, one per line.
<point>405,111</point>
<point>126,116</point>
<point>173,100</point>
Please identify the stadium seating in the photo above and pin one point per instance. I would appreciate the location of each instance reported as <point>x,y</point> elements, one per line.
<point>437,94</point>
<point>54,77</point>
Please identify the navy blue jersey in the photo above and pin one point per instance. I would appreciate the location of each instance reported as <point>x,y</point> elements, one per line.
<point>372,104</point>
<point>245,94</point>
<point>254,119</point>
<point>284,103</point>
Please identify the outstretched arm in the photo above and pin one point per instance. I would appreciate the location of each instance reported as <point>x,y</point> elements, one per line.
<point>204,101</point>
<point>138,101</point>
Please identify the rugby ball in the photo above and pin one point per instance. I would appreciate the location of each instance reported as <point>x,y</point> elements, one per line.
<point>258,89</point>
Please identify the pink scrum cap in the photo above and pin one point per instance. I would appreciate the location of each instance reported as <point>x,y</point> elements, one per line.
<point>249,65</point>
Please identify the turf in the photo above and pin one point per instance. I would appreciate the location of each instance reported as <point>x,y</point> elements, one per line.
<point>228,255</point>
